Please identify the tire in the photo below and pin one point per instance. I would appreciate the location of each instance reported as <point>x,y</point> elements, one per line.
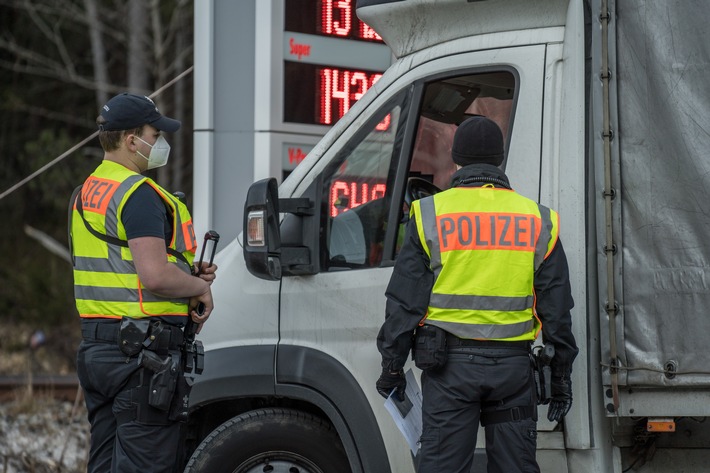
<point>272,440</point>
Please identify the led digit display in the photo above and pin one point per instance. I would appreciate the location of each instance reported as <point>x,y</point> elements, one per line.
<point>348,193</point>
<point>320,95</point>
<point>325,71</point>
<point>339,89</point>
<point>335,18</point>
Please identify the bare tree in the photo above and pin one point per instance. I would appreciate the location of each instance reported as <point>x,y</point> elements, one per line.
<point>138,47</point>
<point>98,53</point>
<point>56,59</point>
<point>60,60</point>
<point>182,43</point>
<point>172,30</point>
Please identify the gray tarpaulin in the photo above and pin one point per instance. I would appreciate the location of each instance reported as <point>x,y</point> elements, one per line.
<point>662,175</point>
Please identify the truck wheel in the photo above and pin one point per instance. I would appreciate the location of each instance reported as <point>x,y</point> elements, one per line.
<point>271,440</point>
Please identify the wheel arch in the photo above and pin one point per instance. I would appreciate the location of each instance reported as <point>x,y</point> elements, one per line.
<point>298,377</point>
<point>312,374</point>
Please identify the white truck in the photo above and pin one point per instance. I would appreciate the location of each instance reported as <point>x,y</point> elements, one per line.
<point>605,109</point>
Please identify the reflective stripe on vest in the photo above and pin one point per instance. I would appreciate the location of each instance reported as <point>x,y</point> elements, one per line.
<point>485,245</point>
<point>105,280</point>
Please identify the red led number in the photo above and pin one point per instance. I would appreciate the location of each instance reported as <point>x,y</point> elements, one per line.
<point>368,33</point>
<point>337,20</point>
<point>339,90</point>
<point>336,17</point>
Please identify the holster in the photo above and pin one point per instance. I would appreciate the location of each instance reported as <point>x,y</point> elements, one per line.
<point>164,380</point>
<point>429,348</point>
<point>169,388</point>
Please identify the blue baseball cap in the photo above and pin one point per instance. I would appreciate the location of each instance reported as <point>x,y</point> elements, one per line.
<point>128,111</point>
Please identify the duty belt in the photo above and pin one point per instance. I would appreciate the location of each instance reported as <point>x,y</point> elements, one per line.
<point>452,341</point>
<point>170,338</point>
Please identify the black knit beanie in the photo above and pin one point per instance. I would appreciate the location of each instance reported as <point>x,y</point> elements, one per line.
<point>478,140</point>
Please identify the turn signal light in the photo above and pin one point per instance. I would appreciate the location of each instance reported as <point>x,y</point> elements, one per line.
<point>255,228</point>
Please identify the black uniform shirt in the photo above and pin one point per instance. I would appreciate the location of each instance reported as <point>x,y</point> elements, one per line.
<point>412,281</point>
<point>145,214</point>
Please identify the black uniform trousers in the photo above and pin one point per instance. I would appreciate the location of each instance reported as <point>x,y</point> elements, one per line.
<point>115,391</point>
<point>476,380</point>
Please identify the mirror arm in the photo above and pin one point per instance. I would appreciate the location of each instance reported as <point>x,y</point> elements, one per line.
<point>296,206</point>
<point>294,255</point>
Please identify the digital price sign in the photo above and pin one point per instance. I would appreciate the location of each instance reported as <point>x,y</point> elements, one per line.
<point>329,18</point>
<point>331,59</point>
<point>321,95</point>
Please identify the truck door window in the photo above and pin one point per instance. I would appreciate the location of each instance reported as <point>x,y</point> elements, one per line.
<point>448,102</point>
<point>357,193</point>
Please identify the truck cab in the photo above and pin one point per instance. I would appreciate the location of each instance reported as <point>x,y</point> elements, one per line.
<point>291,361</point>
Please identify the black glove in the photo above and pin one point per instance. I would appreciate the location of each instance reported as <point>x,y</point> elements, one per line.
<point>561,400</point>
<point>390,380</point>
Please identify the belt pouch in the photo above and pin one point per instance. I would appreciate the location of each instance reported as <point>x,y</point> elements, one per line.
<point>132,334</point>
<point>429,348</point>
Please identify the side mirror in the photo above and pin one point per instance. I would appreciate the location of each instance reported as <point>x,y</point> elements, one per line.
<point>262,238</point>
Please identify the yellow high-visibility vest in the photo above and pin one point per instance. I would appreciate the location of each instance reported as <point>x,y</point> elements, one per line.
<point>105,280</point>
<point>484,245</point>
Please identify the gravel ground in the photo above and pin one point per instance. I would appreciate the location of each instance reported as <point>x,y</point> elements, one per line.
<point>41,435</point>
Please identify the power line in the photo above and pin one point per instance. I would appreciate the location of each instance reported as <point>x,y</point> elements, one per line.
<point>84,141</point>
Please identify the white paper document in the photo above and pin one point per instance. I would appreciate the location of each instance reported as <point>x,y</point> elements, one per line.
<point>408,414</point>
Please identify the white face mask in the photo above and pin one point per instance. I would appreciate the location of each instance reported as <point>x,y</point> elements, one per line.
<point>159,152</point>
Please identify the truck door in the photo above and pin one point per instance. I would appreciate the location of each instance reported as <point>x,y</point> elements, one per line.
<point>397,148</point>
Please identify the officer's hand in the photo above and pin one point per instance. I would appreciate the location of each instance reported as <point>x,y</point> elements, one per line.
<point>561,400</point>
<point>206,272</point>
<point>208,304</point>
<point>390,380</point>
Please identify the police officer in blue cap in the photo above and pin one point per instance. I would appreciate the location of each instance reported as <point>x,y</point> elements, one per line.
<point>133,248</point>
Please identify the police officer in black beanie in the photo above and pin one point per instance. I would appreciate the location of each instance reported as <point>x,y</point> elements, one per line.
<point>486,276</point>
